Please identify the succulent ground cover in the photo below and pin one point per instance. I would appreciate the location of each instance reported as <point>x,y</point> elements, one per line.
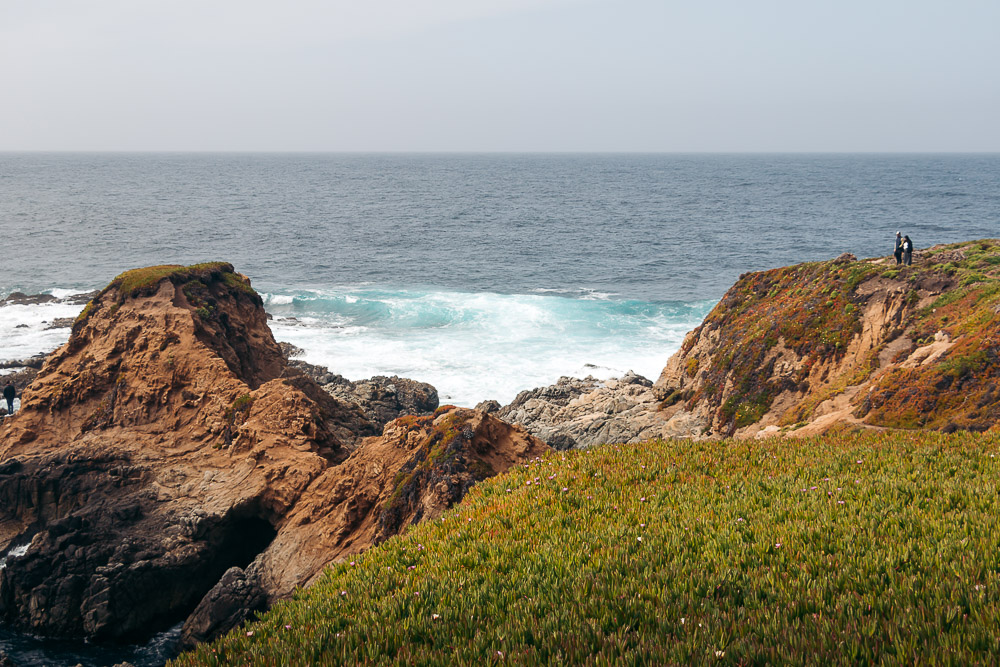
<point>847,548</point>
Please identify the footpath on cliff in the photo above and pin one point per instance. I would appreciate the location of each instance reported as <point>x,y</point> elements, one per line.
<point>168,463</point>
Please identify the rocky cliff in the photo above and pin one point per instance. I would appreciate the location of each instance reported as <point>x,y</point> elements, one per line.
<point>167,458</point>
<point>806,348</point>
<point>866,344</point>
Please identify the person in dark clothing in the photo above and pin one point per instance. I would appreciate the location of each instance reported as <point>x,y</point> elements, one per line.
<point>907,251</point>
<point>897,252</point>
<point>10,393</point>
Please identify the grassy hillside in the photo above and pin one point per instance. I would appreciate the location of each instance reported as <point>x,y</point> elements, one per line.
<point>852,547</point>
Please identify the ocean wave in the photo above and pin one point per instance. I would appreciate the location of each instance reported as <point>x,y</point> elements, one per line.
<point>471,345</point>
<point>479,345</point>
<point>26,330</point>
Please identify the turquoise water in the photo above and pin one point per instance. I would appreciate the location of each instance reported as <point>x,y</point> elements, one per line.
<point>474,346</point>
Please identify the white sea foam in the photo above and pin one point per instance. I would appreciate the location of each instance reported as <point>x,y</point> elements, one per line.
<point>15,552</point>
<point>278,299</point>
<point>24,332</point>
<point>471,346</point>
<point>475,346</point>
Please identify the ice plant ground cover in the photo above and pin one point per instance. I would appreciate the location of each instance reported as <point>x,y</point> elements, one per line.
<point>853,547</point>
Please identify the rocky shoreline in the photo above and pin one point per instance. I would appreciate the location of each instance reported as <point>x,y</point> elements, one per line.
<point>170,463</point>
<point>173,440</point>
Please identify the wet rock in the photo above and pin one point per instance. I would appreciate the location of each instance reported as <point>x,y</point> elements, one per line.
<point>80,299</point>
<point>290,350</point>
<point>22,299</point>
<point>60,323</point>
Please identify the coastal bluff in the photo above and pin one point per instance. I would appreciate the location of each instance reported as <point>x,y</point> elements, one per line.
<point>847,343</point>
<point>805,349</point>
<point>168,464</point>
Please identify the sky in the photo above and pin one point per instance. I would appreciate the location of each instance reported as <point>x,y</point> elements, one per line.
<point>500,75</point>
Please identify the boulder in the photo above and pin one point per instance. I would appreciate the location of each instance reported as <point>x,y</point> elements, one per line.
<point>381,398</point>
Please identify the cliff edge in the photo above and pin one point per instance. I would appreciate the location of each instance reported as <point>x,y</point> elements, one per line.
<point>861,344</point>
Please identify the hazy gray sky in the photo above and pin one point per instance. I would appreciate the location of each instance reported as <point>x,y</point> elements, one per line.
<point>500,75</point>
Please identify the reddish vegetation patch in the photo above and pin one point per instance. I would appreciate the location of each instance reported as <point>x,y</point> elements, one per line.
<point>960,390</point>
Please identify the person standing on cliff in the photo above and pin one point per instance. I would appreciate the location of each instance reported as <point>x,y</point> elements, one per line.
<point>907,251</point>
<point>898,250</point>
<point>9,393</point>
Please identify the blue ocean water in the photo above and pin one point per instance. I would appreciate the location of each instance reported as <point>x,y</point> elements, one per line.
<point>483,274</point>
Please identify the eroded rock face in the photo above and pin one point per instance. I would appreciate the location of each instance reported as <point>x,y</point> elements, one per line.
<point>168,444</point>
<point>861,344</point>
<point>418,468</point>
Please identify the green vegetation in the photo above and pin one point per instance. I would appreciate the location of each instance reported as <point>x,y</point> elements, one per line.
<point>196,281</point>
<point>139,281</point>
<point>854,548</point>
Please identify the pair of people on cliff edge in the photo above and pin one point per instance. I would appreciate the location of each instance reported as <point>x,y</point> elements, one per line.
<point>903,251</point>
<point>10,393</point>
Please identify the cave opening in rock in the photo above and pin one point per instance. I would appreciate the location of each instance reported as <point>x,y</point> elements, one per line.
<point>241,541</point>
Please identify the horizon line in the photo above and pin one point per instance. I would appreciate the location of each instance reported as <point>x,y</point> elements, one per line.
<point>4,151</point>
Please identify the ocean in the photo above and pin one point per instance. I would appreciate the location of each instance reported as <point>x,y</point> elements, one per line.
<point>482,274</point>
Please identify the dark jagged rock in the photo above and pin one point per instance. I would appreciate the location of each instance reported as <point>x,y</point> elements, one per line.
<point>60,323</point>
<point>382,398</point>
<point>290,350</point>
<point>22,299</point>
<point>236,596</point>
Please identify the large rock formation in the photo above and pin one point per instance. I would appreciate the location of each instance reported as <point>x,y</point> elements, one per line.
<point>864,343</point>
<point>806,348</point>
<point>167,452</point>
